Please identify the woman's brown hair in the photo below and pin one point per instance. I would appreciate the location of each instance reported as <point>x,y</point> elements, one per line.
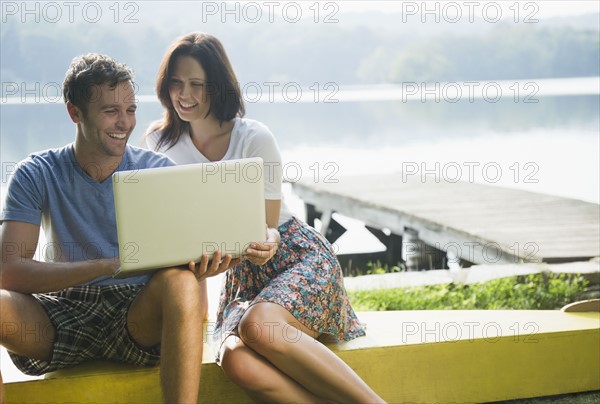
<point>221,84</point>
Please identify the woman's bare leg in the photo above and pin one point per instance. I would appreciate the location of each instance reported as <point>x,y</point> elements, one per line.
<point>272,332</point>
<point>258,377</point>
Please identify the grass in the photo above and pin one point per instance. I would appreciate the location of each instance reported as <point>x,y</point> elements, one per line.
<point>528,292</point>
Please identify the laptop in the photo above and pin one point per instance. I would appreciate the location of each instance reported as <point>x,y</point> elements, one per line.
<point>170,216</point>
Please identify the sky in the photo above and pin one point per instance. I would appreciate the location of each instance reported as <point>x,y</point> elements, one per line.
<point>541,9</point>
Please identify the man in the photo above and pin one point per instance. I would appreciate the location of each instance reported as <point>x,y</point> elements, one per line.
<point>77,310</point>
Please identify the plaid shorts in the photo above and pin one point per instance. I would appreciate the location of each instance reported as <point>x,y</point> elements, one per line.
<point>90,323</point>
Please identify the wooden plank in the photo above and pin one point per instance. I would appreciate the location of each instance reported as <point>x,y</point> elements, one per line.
<point>589,270</point>
<point>407,356</point>
<point>465,213</point>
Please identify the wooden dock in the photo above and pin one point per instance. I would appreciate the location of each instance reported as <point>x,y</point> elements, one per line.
<point>481,224</point>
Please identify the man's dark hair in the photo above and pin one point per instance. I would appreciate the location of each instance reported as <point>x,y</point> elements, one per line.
<point>91,70</point>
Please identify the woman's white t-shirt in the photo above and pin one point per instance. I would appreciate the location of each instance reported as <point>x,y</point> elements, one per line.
<point>249,138</point>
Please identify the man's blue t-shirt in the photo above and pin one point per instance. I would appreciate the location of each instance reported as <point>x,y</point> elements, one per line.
<point>76,212</point>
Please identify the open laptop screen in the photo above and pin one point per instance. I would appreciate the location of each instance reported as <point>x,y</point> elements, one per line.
<point>170,216</point>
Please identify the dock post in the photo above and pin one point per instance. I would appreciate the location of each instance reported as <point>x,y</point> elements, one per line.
<point>330,228</point>
<point>411,249</point>
<point>392,242</point>
<point>325,219</point>
<point>311,214</point>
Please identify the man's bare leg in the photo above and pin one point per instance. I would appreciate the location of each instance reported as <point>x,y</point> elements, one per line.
<point>19,315</point>
<point>169,311</point>
<point>26,329</point>
<point>173,295</point>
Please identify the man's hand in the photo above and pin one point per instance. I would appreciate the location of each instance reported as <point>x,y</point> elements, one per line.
<point>207,268</point>
<point>261,253</point>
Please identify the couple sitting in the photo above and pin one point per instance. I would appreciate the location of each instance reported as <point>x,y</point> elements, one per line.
<point>80,312</point>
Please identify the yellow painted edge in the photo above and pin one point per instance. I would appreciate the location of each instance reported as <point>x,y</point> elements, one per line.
<point>461,371</point>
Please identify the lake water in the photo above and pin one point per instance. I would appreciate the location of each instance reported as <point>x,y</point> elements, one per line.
<point>549,144</point>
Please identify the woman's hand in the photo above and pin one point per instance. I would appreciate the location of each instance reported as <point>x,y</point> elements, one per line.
<point>207,268</point>
<point>261,253</point>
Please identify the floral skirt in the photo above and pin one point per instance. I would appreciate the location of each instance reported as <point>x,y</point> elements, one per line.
<point>304,277</point>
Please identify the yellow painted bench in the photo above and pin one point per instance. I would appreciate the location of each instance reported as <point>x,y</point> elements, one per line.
<point>407,356</point>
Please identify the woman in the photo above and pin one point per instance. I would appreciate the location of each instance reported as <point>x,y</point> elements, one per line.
<point>289,290</point>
